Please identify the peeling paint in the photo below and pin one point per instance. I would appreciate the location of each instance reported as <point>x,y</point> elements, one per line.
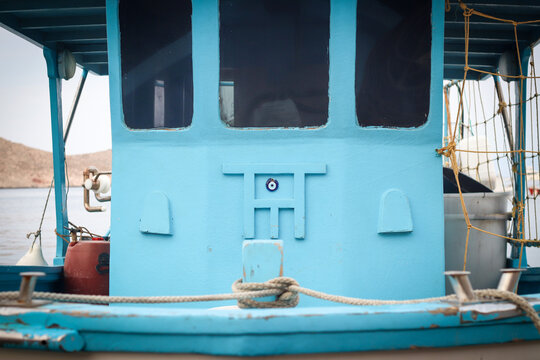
<point>446,311</point>
<point>13,311</point>
<point>86,314</point>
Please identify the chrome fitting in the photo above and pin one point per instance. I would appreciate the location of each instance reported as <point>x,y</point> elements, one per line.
<point>28,284</point>
<point>509,279</point>
<point>461,284</point>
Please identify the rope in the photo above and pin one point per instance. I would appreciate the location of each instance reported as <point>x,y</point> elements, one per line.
<point>521,201</point>
<point>104,300</point>
<point>37,233</point>
<point>517,300</point>
<point>285,289</point>
<point>287,296</point>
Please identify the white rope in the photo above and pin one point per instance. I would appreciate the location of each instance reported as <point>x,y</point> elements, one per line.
<point>285,289</point>
<point>519,301</point>
<point>103,299</point>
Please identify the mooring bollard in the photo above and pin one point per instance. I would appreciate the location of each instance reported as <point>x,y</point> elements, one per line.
<point>461,285</point>
<point>262,260</point>
<point>28,284</point>
<point>509,279</point>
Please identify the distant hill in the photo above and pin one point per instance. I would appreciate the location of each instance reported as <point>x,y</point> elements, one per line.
<point>22,166</point>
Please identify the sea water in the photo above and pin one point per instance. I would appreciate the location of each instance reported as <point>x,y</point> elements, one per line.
<point>20,214</point>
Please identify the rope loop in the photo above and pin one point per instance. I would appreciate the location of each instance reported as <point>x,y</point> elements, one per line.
<point>447,150</point>
<point>36,234</point>
<point>286,299</point>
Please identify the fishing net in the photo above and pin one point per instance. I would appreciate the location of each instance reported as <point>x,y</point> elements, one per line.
<point>496,141</point>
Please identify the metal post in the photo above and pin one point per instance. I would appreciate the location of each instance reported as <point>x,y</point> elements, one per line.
<point>28,284</point>
<point>55,98</point>
<point>509,279</point>
<point>504,113</point>
<point>262,260</point>
<point>519,158</point>
<point>461,284</point>
<point>75,103</point>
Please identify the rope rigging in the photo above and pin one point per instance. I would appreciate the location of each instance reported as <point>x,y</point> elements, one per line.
<point>516,155</point>
<point>285,289</point>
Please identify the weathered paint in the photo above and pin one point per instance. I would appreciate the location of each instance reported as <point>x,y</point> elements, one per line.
<point>262,260</point>
<point>259,331</point>
<point>39,338</point>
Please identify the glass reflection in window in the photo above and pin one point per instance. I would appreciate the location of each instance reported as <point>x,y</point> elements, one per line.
<point>274,62</point>
<point>393,62</point>
<point>157,75</point>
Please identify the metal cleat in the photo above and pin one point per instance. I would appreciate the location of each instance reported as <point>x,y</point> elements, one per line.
<point>509,279</point>
<point>461,285</point>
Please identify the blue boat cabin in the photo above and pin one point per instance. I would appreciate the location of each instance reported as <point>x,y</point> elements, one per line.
<point>312,123</point>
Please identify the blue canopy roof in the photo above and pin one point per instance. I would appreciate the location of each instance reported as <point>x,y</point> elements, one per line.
<point>80,26</point>
<point>488,38</point>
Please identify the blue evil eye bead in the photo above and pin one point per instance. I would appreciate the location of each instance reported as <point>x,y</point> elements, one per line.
<point>272,184</point>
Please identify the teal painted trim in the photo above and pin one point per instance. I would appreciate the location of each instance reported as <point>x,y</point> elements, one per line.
<point>520,139</point>
<point>297,202</point>
<point>60,195</point>
<point>115,97</point>
<point>207,126</point>
<point>277,331</point>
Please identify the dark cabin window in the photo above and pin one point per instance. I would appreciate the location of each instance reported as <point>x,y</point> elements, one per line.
<point>274,62</point>
<point>157,72</point>
<point>393,62</point>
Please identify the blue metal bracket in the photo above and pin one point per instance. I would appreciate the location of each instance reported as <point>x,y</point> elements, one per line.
<point>60,195</point>
<point>156,215</point>
<point>296,202</point>
<point>394,213</point>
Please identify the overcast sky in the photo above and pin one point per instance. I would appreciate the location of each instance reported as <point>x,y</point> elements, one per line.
<point>24,101</point>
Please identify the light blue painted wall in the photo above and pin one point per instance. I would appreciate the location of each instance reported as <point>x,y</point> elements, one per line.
<point>342,252</point>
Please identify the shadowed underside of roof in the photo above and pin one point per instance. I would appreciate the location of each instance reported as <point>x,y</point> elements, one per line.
<point>488,38</point>
<point>77,25</point>
<point>80,26</point>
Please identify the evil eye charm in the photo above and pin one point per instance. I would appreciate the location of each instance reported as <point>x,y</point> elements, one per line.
<point>272,184</point>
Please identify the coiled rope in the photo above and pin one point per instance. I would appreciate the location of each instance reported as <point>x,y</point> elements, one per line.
<point>285,289</point>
